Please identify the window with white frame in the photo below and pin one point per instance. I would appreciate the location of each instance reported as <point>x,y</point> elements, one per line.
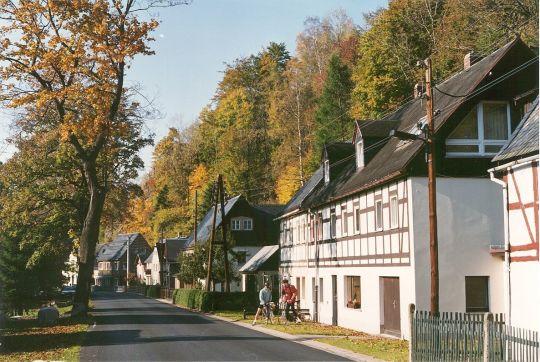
<point>393,211</point>
<point>235,224</point>
<point>378,215</point>
<point>332,223</point>
<point>321,290</point>
<point>483,131</point>
<point>344,226</point>
<point>352,292</point>
<point>248,224</point>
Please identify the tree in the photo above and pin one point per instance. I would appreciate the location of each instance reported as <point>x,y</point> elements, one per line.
<point>332,118</point>
<point>67,60</point>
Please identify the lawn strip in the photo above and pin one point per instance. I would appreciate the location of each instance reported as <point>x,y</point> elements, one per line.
<point>379,347</point>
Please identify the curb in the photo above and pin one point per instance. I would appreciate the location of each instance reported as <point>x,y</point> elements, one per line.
<point>301,339</point>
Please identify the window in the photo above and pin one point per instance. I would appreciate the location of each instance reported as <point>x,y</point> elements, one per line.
<point>332,223</point>
<point>241,223</point>
<point>378,215</point>
<point>483,131</point>
<point>360,153</point>
<point>393,211</point>
<point>321,289</point>
<point>477,294</point>
<point>344,217</point>
<point>303,288</point>
<point>326,171</point>
<point>352,292</point>
<point>357,219</point>
<point>248,224</point>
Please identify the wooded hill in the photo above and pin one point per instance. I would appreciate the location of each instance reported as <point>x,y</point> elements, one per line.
<point>272,111</point>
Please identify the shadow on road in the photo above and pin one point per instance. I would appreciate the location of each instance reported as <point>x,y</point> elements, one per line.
<point>111,319</point>
<point>132,336</point>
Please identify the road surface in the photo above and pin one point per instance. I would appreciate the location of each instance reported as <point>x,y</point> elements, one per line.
<point>133,328</point>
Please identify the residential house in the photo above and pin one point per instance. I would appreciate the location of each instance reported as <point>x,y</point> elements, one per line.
<point>172,247</point>
<point>112,259</point>
<point>355,238</point>
<point>262,268</point>
<point>153,266</point>
<point>250,226</point>
<point>516,170</point>
<point>70,273</point>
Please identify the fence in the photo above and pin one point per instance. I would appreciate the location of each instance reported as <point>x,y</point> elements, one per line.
<point>166,293</point>
<point>468,337</point>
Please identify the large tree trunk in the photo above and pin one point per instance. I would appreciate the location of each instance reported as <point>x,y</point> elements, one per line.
<point>88,239</point>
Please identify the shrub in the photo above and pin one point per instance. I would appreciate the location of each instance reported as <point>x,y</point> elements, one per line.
<point>153,291</point>
<point>212,301</point>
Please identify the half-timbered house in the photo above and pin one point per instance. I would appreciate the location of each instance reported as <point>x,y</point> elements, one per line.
<point>355,238</point>
<point>516,170</point>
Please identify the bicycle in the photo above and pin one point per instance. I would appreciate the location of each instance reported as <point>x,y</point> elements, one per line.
<point>268,312</point>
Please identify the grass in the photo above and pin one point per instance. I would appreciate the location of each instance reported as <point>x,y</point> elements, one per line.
<point>376,346</point>
<point>26,340</point>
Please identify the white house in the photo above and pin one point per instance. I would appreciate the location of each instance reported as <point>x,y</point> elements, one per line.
<point>516,171</point>
<point>355,237</point>
<point>153,267</point>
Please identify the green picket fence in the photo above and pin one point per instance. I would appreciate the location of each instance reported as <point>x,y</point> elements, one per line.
<point>469,337</point>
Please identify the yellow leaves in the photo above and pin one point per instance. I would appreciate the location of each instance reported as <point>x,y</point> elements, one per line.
<point>287,183</point>
<point>198,178</point>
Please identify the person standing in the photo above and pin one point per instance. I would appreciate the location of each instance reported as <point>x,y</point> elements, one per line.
<point>265,297</point>
<point>288,292</point>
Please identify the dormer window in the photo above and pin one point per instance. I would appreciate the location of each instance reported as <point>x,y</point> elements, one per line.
<point>326,171</point>
<point>359,153</point>
<point>241,223</point>
<point>483,131</point>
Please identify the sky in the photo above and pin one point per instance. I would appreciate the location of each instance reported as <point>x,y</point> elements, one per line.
<point>194,42</point>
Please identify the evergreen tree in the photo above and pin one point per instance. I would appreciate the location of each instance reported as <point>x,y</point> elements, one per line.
<point>332,118</point>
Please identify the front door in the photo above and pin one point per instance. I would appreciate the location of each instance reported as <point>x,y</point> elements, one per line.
<point>391,310</point>
<point>334,300</point>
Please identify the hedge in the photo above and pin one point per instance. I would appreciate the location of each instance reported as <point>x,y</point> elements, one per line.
<point>153,291</point>
<point>212,301</point>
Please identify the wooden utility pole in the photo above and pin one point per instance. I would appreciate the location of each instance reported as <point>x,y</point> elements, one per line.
<point>432,191</point>
<point>224,225</point>
<point>195,220</point>
<point>212,239</point>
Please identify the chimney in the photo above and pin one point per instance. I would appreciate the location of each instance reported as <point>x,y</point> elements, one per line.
<point>470,59</point>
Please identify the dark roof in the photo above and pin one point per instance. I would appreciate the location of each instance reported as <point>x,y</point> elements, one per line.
<point>298,198</point>
<point>392,158</point>
<point>270,209</point>
<point>524,140</point>
<point>375,129</point>
<point>115,249</point>
<point>204,227</point>
<point>173,246</point>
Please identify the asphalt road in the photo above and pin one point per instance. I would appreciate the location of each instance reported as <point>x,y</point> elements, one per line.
<point>133,328</point>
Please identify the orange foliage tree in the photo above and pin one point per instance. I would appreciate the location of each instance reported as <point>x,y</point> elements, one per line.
<point>63,63</point>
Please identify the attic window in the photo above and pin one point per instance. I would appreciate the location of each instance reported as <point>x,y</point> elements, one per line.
<point>483,131</point>
<point>360,153</point>
<point>326,171</point>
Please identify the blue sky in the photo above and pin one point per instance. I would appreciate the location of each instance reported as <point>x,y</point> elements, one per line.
<point>194,42</point>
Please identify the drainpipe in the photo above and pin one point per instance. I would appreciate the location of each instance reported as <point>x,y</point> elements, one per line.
<point>506,243</point>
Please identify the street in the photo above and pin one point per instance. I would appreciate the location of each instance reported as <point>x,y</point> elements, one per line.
<point>130,327</point>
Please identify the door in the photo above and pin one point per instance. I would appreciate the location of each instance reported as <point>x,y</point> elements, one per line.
<point>334,300</point>
<point>392,321</point>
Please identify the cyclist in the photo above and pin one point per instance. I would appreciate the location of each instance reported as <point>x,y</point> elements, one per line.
<point>265,297</point>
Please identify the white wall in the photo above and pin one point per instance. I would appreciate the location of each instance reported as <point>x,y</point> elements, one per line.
<point>470,219</point>
<point>368,317</point>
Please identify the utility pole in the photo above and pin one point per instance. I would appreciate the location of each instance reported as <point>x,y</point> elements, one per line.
<point>195,219</point>
<point>212,239</point>
<point>432,191</point>
<point>127,264</point>
<point>224,224</point>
